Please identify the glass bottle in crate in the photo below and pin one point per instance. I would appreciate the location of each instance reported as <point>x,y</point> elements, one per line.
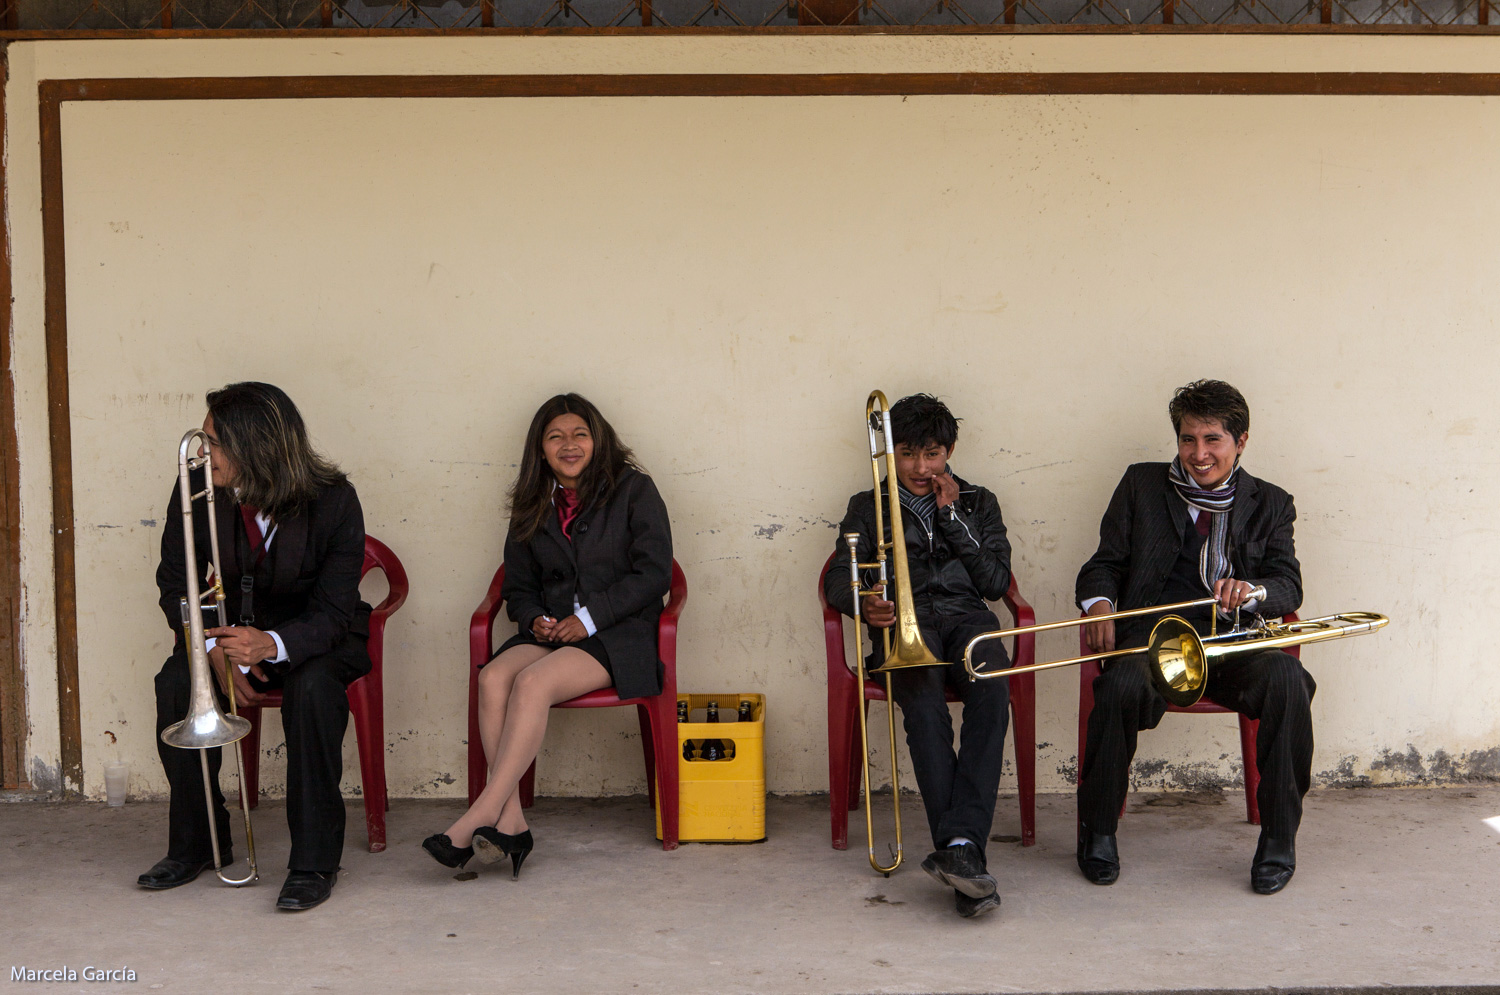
<point>688,753</point>
<point>712,749</point>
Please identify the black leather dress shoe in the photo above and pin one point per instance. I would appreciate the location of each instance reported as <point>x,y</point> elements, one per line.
<point>971,907</point>
<point>1275,863</point>
<point>962,869</point>
<point>305,889</point>
<point>1097,857</point>
<point>169,873</point>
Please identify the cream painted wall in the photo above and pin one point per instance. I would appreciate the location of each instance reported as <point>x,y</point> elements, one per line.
<point>727,278</point>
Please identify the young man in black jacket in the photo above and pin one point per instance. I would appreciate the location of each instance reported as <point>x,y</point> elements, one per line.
<point>1176,532</point>
<point>959,559</point>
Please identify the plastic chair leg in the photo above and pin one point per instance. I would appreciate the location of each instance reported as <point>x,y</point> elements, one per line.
<point>840,707</point>
<point>369,737</point>
<point>856,757</point>
<point>663,733</point>
<point>527,787</point>
<point>648,747</point>
<point>1023,726</point>
<point>478,769</point>
<point>1249,730</point>
<point>250,755</point>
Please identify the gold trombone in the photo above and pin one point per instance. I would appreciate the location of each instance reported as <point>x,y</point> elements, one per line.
<point>906,649</point>
<point>206,726</point>
<point>1176,656</point>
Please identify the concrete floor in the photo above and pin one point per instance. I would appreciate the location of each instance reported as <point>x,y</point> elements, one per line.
<point>1394,888</point>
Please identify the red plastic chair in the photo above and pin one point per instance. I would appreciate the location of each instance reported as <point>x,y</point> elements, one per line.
<point>845,764</point>
<point>1248,726</point>
<point>366,703</point>
<point>658,714</point>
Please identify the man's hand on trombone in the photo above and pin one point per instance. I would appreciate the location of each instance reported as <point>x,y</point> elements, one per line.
<point>878,613</point>
<point>244,692</point>
<point>244,646</point>
<point>1232,593</point>
<point>1100,636</point>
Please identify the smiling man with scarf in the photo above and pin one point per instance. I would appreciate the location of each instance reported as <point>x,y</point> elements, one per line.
<point>1175,532</point>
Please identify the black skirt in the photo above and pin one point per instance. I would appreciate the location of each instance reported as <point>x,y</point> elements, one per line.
<point>591,645</point>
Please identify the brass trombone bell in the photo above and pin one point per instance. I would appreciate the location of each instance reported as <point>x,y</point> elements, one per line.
<point>1178,658</point>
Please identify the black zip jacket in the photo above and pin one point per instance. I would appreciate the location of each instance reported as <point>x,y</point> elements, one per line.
<point>962,564</point>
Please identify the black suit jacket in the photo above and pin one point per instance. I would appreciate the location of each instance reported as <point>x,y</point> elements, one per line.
<point>1141,537</point>
<point>307,586</point>
<point>957,568</point>
<point>618,565</point>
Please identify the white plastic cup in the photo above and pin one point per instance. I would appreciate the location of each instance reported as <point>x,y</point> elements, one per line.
<point>116,782</point>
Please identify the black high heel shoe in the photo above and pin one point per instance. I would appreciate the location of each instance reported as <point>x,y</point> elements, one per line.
<point>489,845</point>
<point>492,846</point>
<point>445,853</point>
<point>518,846</point>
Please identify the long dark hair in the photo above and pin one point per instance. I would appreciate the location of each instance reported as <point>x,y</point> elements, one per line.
<point>261,430</point>
<point>531,495</point>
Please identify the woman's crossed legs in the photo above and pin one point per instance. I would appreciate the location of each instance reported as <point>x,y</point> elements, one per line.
<point>516,691</point>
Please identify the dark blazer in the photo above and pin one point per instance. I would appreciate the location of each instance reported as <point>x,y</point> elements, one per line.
<point>619,565</point>
<point>960,565</point>
<point>1141,537</point>
<point>307,586</point>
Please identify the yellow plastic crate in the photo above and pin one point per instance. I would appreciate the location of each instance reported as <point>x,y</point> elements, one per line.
<point>722,801</point>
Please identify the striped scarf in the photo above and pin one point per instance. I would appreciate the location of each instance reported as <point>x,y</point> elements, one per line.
<point>1213,559</point>
<point>925,506</point>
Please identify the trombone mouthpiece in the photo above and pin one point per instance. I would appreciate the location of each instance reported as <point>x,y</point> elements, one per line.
<point>851,539</point>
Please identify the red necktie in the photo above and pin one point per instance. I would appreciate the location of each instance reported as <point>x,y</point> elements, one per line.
<point>1204,522</point>
<point>252,529</point>
<point>567,510</point>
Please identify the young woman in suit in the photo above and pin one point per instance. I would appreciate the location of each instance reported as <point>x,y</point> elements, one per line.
<point>588,559</point>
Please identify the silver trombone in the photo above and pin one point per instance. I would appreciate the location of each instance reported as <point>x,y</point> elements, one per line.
<point>206,726</point>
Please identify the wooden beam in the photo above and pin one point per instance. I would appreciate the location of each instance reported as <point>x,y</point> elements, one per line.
<point>13,724</point>
<point>828,12</point>
<point>61,433</point>
<point>748,85</point>
<point>53,93</point>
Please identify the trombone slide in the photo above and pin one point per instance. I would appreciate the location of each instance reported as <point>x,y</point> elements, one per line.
<point>206,726</point>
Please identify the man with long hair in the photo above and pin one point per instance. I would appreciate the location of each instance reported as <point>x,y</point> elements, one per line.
<point>291,538</point>
<point>959,560</point>
<point>1180,531</point>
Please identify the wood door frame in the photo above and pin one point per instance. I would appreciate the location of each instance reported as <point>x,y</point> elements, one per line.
<point>52,94</point>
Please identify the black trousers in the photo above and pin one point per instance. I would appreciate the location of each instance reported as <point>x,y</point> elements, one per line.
<point>1271,686</point>
<point>958,790</point>
<point>314,715</point>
